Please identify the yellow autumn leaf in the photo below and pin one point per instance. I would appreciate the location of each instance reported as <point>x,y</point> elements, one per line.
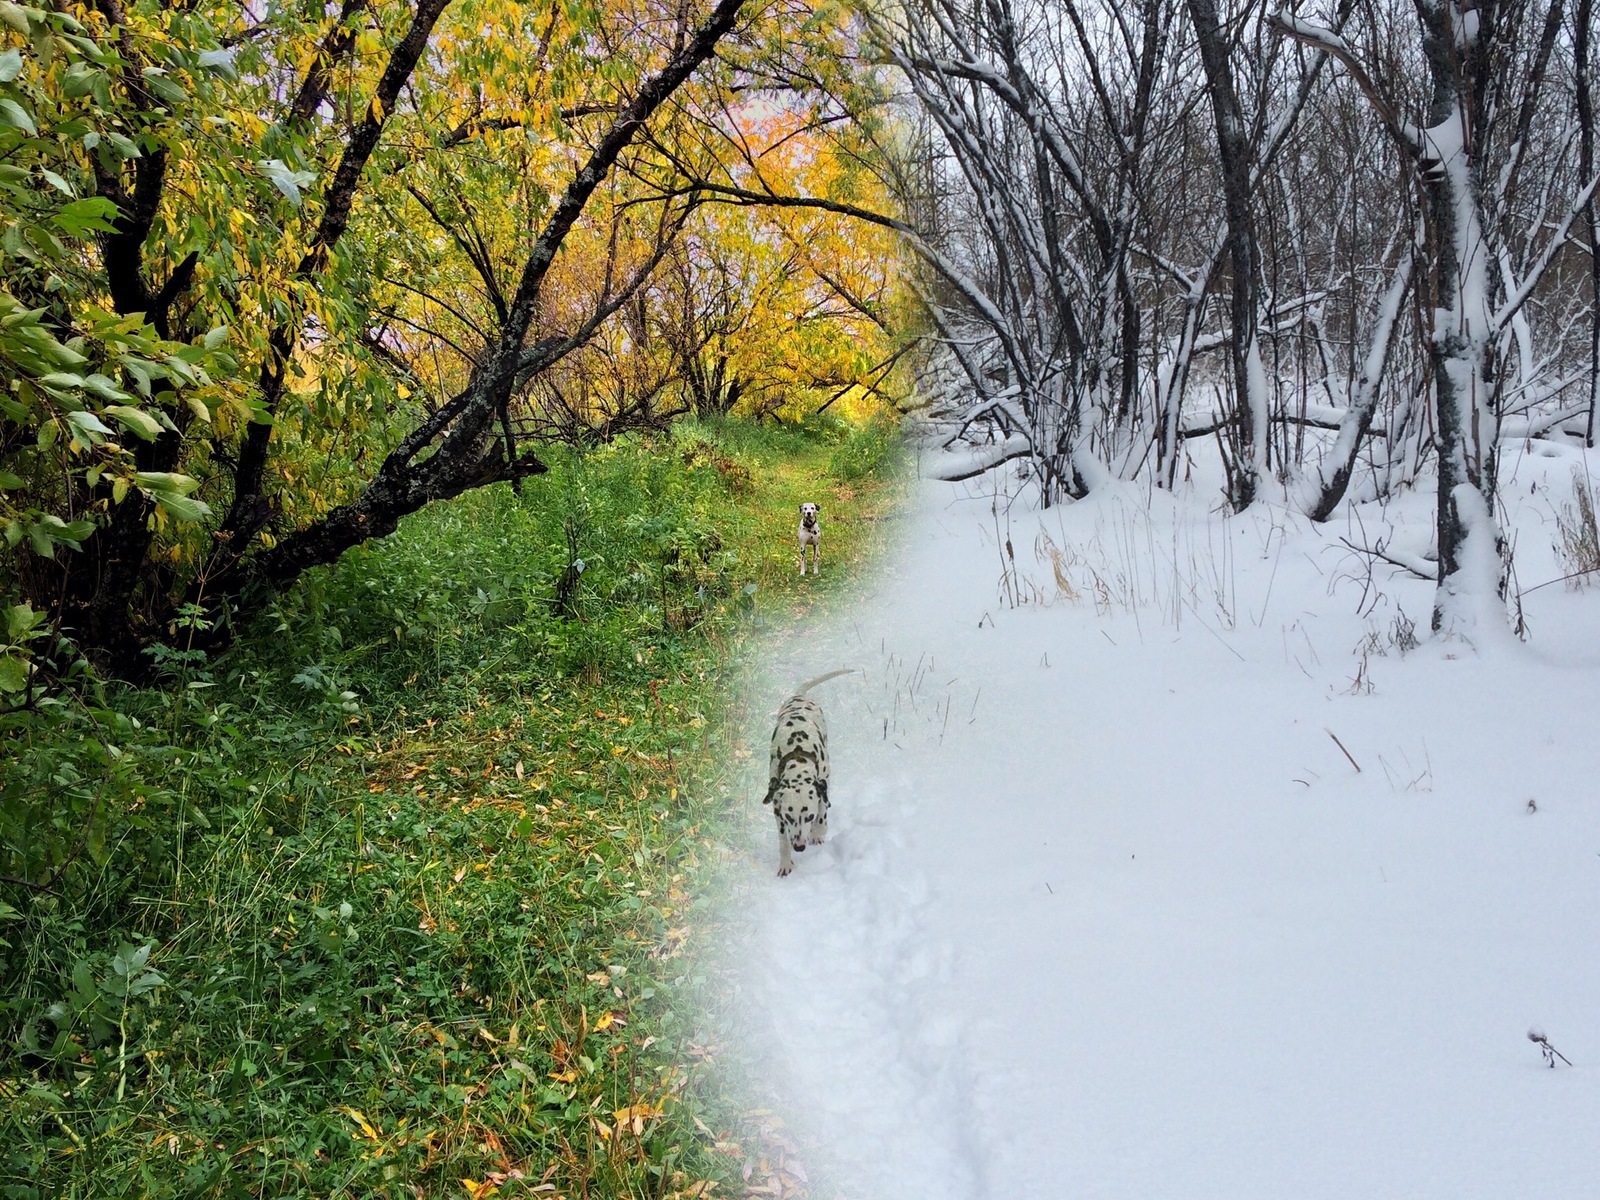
<point>360,1118</point>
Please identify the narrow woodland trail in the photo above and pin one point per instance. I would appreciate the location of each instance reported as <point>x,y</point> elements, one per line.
<point>1107,910</point>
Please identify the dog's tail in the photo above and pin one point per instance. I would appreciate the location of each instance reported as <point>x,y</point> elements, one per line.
<point>811,683</point>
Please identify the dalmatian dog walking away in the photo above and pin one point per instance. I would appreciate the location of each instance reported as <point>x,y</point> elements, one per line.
<point>811,535</point>
<point>798,787</point>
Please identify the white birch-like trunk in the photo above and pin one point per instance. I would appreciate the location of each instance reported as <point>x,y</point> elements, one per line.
<point>1470,596</point>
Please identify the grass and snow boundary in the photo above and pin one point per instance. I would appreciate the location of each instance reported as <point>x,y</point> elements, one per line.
<point>1110,910</point>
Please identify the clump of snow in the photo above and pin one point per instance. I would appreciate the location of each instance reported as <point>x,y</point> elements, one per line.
<point>1162,864</point>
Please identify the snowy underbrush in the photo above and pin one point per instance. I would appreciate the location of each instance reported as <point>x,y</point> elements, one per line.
<point>1172,856</point>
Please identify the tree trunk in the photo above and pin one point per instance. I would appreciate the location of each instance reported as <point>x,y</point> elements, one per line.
<point>1248,426</point>
<point>1585,109</point>
<point>1471,549</point>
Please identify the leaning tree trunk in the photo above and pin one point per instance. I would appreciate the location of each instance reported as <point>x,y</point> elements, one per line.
<point>1319,491</point>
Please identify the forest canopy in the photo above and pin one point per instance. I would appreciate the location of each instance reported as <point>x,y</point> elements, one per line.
<point>275,276</point>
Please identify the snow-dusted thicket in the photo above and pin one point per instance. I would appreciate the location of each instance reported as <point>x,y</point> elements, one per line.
<point>1347,243</point>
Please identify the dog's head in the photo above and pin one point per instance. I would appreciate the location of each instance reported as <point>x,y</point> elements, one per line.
<point>798,791</point>
<point>809,514</point>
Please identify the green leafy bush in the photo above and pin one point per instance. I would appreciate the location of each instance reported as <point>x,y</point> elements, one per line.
<point>874,449</point>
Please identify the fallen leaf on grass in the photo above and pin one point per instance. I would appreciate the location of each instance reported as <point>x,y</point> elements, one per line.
<point>356,1115</point>
<point>635,1116</point>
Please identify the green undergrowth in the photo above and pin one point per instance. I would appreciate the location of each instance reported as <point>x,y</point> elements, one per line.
<point>398,897</point>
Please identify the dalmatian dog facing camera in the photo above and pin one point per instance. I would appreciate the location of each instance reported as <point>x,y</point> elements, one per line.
<point>811,535</point>
<point>798,777</point>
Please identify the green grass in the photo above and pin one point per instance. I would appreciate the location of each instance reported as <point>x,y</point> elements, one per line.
<point>400,896</point>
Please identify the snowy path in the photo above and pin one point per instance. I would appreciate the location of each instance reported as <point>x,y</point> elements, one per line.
<point>1107,912</point>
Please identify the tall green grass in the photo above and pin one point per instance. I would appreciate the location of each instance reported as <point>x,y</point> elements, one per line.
<point>392,899</point>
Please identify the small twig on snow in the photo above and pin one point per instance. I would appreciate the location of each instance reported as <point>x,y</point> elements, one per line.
<point>1340,744</point>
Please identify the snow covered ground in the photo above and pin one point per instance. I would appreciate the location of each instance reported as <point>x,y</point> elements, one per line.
<point>1107,911</point>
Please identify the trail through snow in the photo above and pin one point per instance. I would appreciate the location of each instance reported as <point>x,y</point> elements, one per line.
<point>1107,911</point>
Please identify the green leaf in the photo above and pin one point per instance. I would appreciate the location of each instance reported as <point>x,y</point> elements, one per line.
<point>166,481</point>
<point>89,425</point>
<point>10,65</point>
<point>216,337</point>
<point>9,482</point>
<point>139,421</point>
<point>80,79</point>
<point>124,147</point>
<point>13,673</point>
<point>101,386</point>
<point>158,82</point>
<point>92,214</point>
<point>130,960</point>
<point>220,61</point>
<point>14,115</point>
<point>182,508</point>
<point>14,17</point>
<point>285,180</point>
<point>22,620</point>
